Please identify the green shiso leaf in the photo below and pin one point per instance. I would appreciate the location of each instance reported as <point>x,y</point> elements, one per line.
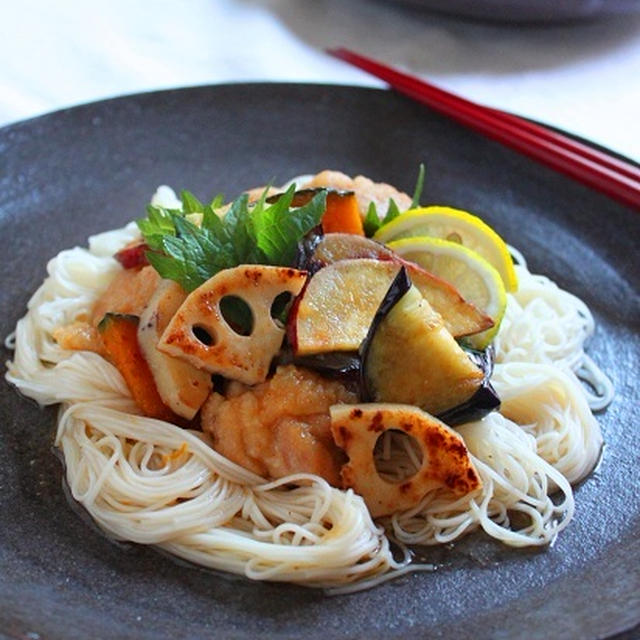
<point>257,233</point>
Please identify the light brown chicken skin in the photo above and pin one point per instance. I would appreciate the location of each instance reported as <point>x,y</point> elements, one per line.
<point>129,292</point>
<point>279,427</point>
<point>366,190</point>
<point>79,336</point>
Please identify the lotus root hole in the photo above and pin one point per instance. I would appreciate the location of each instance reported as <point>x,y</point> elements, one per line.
<point>203,335</point>
<point>280,307</point>
<point>397,456</point>
<point>237,314</point>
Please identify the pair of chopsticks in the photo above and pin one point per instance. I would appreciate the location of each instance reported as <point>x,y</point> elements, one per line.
<point>614,177</point>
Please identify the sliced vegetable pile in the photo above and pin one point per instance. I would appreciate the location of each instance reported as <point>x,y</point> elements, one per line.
<point>405,317</point>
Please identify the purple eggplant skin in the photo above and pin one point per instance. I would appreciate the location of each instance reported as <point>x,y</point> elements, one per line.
<point>346,366</point>
<point>347,246</point>
<point>302,196</point>
<point>481,403</point>
<point>340,365</point>
<point>484,400</point>
<point>318,249</point>
<point>306,247</point>
<point>305,252</point>
<point>400,285</point>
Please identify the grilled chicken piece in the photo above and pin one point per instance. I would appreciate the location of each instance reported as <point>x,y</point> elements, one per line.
<point>279,427</point>
<point>129,293</point>
<point>256,193</point>
<point>365,189</point>
<point>79,336</point>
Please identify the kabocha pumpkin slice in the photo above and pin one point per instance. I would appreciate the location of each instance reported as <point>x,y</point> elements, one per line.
<point>199,333</point>
<point>340,301</point>
<point>409,357</point>
<point>119,334</point>
<point>180,385</point>
<point>445,459</point>
<point>342,214</point>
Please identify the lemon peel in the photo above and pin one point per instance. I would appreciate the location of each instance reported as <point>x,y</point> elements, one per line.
<point>474,277</point>
<point>454,225</point>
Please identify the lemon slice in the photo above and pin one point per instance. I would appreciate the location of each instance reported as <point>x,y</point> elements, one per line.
<point>456,226</point>
<point>473,276</point>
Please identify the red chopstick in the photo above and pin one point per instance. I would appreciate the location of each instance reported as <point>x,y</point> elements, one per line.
<point>612,176</point>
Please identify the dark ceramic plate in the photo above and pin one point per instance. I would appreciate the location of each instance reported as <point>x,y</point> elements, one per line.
<point>76,172</point>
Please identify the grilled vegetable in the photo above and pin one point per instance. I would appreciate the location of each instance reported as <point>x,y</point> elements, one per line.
<point>409,357</point>
<point>200,334</point>
<point>119,334</point>
<point>344,246</point>
<point>305,251</point>
<point>445,461</point>
<point>342,214</point>
<point>180,385</point>
<point>343,365</point>
<point>483,401</point>
<point>337,305</point>
<point>339,302</point>
<point>299,197</point>
<point>461,317</point>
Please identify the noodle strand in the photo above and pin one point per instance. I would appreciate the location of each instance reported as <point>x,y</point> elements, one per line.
<point>152,482</point>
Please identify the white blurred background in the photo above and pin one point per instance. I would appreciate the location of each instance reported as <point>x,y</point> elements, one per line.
<point>583,77</point>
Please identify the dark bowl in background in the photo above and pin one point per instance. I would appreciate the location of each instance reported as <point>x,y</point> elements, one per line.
<point>529,10</point>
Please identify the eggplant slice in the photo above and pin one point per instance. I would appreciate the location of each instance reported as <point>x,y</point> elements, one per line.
<point>484,400</point>
<point>461,317</point>
<point>409,357</point>
<point>305,259</point>
<point>341,365</point>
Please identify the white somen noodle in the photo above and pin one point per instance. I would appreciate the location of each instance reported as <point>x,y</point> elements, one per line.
<point>152,482</point>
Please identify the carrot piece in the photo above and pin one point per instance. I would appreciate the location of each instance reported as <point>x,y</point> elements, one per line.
<point>120,337</point>
<point>342,214</point>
